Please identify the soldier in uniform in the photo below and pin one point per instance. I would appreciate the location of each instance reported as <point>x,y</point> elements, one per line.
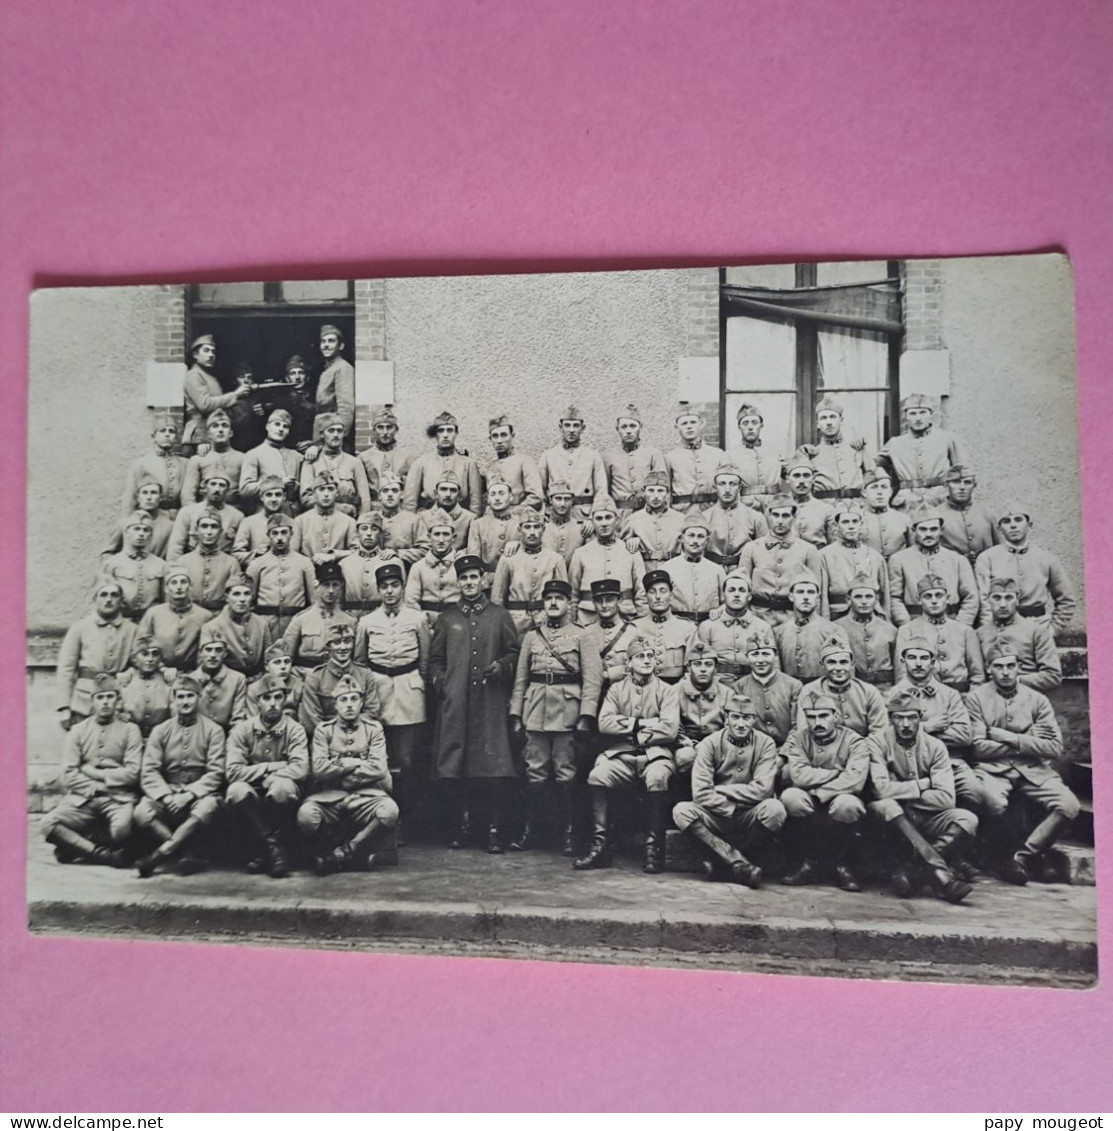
<point>732,804</point>
<point>1017,746</point>
<point>605,556</point>
<point>324,533</point>
<point>350,786</point>
<point>844,560</point>
<point>243,632</point>
<point>702,699</point>
<point>669,634</point>
<point>519,578</point>
<point>562,532</point>
<point>164,465</point>
<point>912,781</point>
<point>611,633</point>
<point>100,772</point>
<point>697,584</point>
<point>919,459</point>
<point>730,523</point>
<point>427,471</point>
<point>774,694</point>
<point>280,666</point>
<point>641,717</point>
<point>223,691</point>
<point>628,465</point>
<point>316,704</point>
<point>908,567</point>
<point>403,531</point>
<point>489,535</point>
<point>359,569</point>
<point>296,400</point>
<point>814,518</point>
<point>1040,667</point>
<point>353,492</point>
<point>176,623</point>
<point>827,767</point>
<point>432,585</point>
<point>148,496</point>
<point>731,630</point>
<point>336,386</point>
<point>146,687</point>
<point>858,705</point>
<point>266,761</point>
<point>518,471</point>
<point>308,631</point>
<point>692,465</point>
<point>869,634</point>
<point>1044,591</point>
<point>272,459</point>
<point>138,573</point>
<point>654,530</point>
<point>883,529</point>
<point>800,640</point>
<point>182,779</point>
<point>210,568</point>
<point>282,579</point>
<point>244,416</point>
<point>448,507</point>
<point>957,651</point>
<point>773,561</point>
<point>761,467</point>
<point>968,526</point>
<point>203,393</point>
<point>557,686</point>
<point>221,457</point>
<point>573,463</point>
<point>384,459</point>
<point>840,465</point>
<point>184,536</point>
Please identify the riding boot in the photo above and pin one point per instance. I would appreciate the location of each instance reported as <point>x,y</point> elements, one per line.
<point>1031,856</point>
<point>655,839</point>
<point>943,881</point>
<point>844,851</point>
<point>170,848</point>
<point>455,810</point>
<point>536,793</point>
<point>253,817</point>
<point>800,838</point>
<point>599,855</point>
<point>70,845</point>
<point>569,795</point>
<point>741,870</point>
<point>358,849</point>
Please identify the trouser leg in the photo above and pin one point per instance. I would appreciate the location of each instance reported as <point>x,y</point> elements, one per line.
<point>655,839</point>
<point>942,879</point>
<point>599,854</point>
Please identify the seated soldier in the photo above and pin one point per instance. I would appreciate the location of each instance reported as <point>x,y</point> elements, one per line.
<point>210,568</point>
<point>703,701</point>
<point>669,634</point>
<point>223,691</point>
<point>182,780</point>
<point>489,534</point>
<point>775,696</point>
<point>349,786</point>
<point>697,584</point>
<point>870,634</point>
<point>213,503</point>
<point>251,535</point>
<point>308,632</point>
<point>883,529</point>
<point>163,465</point>
<point>519,578</point>
<point>244,632</point>
<point>846,560</point>
<point>353,493</point>
<point>859,705</point>
<point>100,773</point>
<point>283,580</point>
<point>731,630</point>
<point>279,664</point>
<point>654,530</point>
<point>800,639</point>
<point>773,561</point>
<point>828,765</point>
<point>317,694</point>
<point>361,594</point>
<point>447,506</point>
<point>557,685</point>
<point>732,793</point>
<point>1017,746</point>
<point>221,457</point>
<point>1040,666</point>
<point>138,572</point>
<point>176,624</point>
<point>641,716</point>
<point>431,585</point>
<point>272,459</point>
<point>914,786</point>
<point>146,688</point>
<point>148,501</point>
<point>957,649</point>
<point>730,523</point>
<point>266,760</point>
<point>325,533</point>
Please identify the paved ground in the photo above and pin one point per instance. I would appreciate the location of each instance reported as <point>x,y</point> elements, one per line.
<point>534,905</point>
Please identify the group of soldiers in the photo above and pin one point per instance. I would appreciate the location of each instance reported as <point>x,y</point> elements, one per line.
<point>819,650</point>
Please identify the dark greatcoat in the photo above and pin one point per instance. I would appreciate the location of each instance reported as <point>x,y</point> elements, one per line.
<point>473,736</point>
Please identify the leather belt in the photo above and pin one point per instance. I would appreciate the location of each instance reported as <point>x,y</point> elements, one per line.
<point>583,500</point>
<point>698,617</point>
<point>524,606</point>
<point>167,504</point>
<point>876,677</point>
<point>628,504</point>
<point>695,497</point>
<point>556,677</point>
<point>727,561</point>
<point>837,493</point>
<point>962,685</point>
<point>671,677</point>
<point>92,673</point>
<point>1032,610</point>
<point>367,606</point>
<point>919,484</point>
<point>436,606</point>
<point>405,669</point>
<point>732,667</point>
<point>773,601</point>
<point>278,610</point>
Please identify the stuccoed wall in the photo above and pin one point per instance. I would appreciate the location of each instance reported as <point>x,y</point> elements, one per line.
<point>1013,398</point>
<point>88,420</point>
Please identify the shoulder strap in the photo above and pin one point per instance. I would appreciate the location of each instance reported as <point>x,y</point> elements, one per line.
<point>556,655</point>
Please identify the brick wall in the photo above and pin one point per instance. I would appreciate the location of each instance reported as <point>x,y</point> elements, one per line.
<point>702,323</point>
<point>923,311</point>
<point>170,323</point>
<point>370,344</point>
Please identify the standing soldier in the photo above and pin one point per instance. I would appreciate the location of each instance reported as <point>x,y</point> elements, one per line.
<point>203,393</point>
<point>214,504</point>
<point>138,573</point>
<point>762,468</point>
<point>628,465</point>
<point>243,632</point>
<point>100,772</point>
<point>518,471</point>
<point>403,531</point>
<point>1018,746</point>
<point>350,787</point>
<point>279,666</point>
<point>871,635</point>
<point>858,705</point>
<point>267,760</point>
<point>324,533</point>
<point>210,568</point>
<point>1040,667</point>
<point>732,630</point>
<point>448,507</point>
<point>611,633</point>
<point>282,579</point>
<point>773,561</point>
<point>557,687</point>
<point>244,416</point>
<point>182,779</point>
<point>814,518</point>
<point>271,460</point>
<point>1044,591</point>
<point>848,559</point>
<point>392,642</point>
<point>336,386</point>
<point>968,526</point>
<point>883,529</point>
<point>384,459</point>
<point>697,584</point>
<point>730,524</point>
<point>520,577</point>
<point>908,567</point>
<point>488,535</point>
<point>919,459</point>
<point>296,401</point>
<point>146,688</point>
<point>431,585</point>
<point>828,764</point>
<point>774,695</point>
<point>654,530</point>
<point>571,462</point>
<point>427,471</point>
<point>733,777</point>
<point>703,701</point>
<point>692,465</point>
<point>318,692</point>
<point>221,457</point>
<point>912,780</point>
<point>353,493</point>
<point>840,466</point>
<point>176,623</point>
<point>148,496</point>
<point>604,556</point>
<point>223,691</point>
<point>163,465</point>
<point>308,632</point>
<point>359,569</point>
<point>473,658</point>
<point>801,639</point>
<point>562,532</point>
<point>669,635</point>
<point>957,650</point>
<point>641,717</point>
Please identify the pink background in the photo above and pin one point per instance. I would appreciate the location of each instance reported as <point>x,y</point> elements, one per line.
<point>148,141</point>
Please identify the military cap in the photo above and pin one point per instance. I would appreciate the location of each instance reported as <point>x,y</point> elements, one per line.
<point>370,518</point>
<point>328,420</point>
<point>745,410</point>
<point>656,479</point>
<point>216,473</point>
<point>138,518</point>
<point>391,478</point>
<point>105,681</point>
<point>149,481</point>
<point>875,475</point>
<point>862,580</point>
<point>217,415</point>
<point>500,421</point>
<point>210,638</point>
<point>804,577</point>
<point>739,575</point>
<point>778,502</point>
<point>444,418</point>
<point>208,514</point>
<point>799,458</point>
<point>174,570</point>
<point>325,479</point>
<point>438,517</point>
<point>560,487</point>
<point>270,683</point>
<point>828,404</point>
<point>756,644</point>
<point>572,413</point>
<point>467,561</point>
<point>202,340</point>
<point>530,517</point>
<point>280,414</point>
<point>271,483</point>
<point>328,571</point>
<point>295,362</point>
<point>739,704</point>
<point>630,412</point>
<point>384,416</point>
<point>835,646</point>
<point>185,682</point>
<point>929,515</point>
<point>1011,509</point>
<point>329,328</point>
<point>606,587</point>
<point>957,471</point>
<point>556,587</point>
<point>919,642</point>
<point>640,643</point>
<point>236,579</point>
<point>340,632</point>
<point>391,571</point>
<point>495,478</point>
<point>1003,585</point>
<point>929,582</point>
<point>346,686</point>
<point>695,522</point>
<point>653,576</point>
<point>727,469</point>
<point>917,400</point>
<point>278,648</point>
<point>142,643</point>
<point>280,519</point>
<point>700,650</point>
<point>243,369</point>
<point>448,479</point>
<point>603,502</point>
<point>846,506</point>
<point>821,703</point>
<point>903,701</point>
<point>1001,649</point>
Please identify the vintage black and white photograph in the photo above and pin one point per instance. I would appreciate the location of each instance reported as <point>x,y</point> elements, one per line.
<point>723,617</point>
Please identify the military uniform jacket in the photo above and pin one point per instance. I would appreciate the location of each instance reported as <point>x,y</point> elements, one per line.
<point>427,469</point>
<point>161,529</point>
<point>264,461</point>
<point>227,462</point>
<point>885,531</point>
<point>431,584</point>
<point>378,463</point>
<point>727,778</point>
<point>653,705</point>
<point>564,538</point>
<point>1041,582</point>
<point>555,706</point>
<point>523,477</point>
<point>177,630</point>
<point>593,561</point>
<point>318,533</point>
<point>919,776</point>
<point>307,633</point>
<point>361,591</point>
<point>291,705</point>
<point>138,575</point>
<point>799,645</point>
<point>251,538</point>
<point>773,563</point>
<point>353,494</point>
<point>968,530</point>
<point>255,752</point>
<point>348,759</point>
<point>838,564</point>
<point>627,469</point>
<point>775,702</point>
<point>861,707</point>
<point>730,528</point>
<point>245,638</point>
<point>145,701</point>
<point>611,640</point>
<point>658,533</point>
<point>944,713</point>
<point>871,644</point>
<point>839,467</point>
<point>762,469</point>
<point>183,538</point>
<point>671,637</point>
<point>697,586</point>
<point>284,581</point>
<point>183,758</point>
<point>1040,667</point>
<point>461,519</point>
<point>404,533</point>
<point>907,567</point>
<point>520,578</point>
<point>692,471</point>
<point>702,710</point>
<point>210,573</point>
<point>167,470</point>
<point>113,750</point>
<point>223,696</point>
<point>581,468</point>
<point>396,651</point>
<point>203,394</point>
<point>827,769</point>
<point>1027,713</point>
<point>487,538</point>
<point>814,520</point>
<point>958,652</point>
<point>732,637</point>
<point>921,461</point>
<point>336,393</point>
<point>317,704</point>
